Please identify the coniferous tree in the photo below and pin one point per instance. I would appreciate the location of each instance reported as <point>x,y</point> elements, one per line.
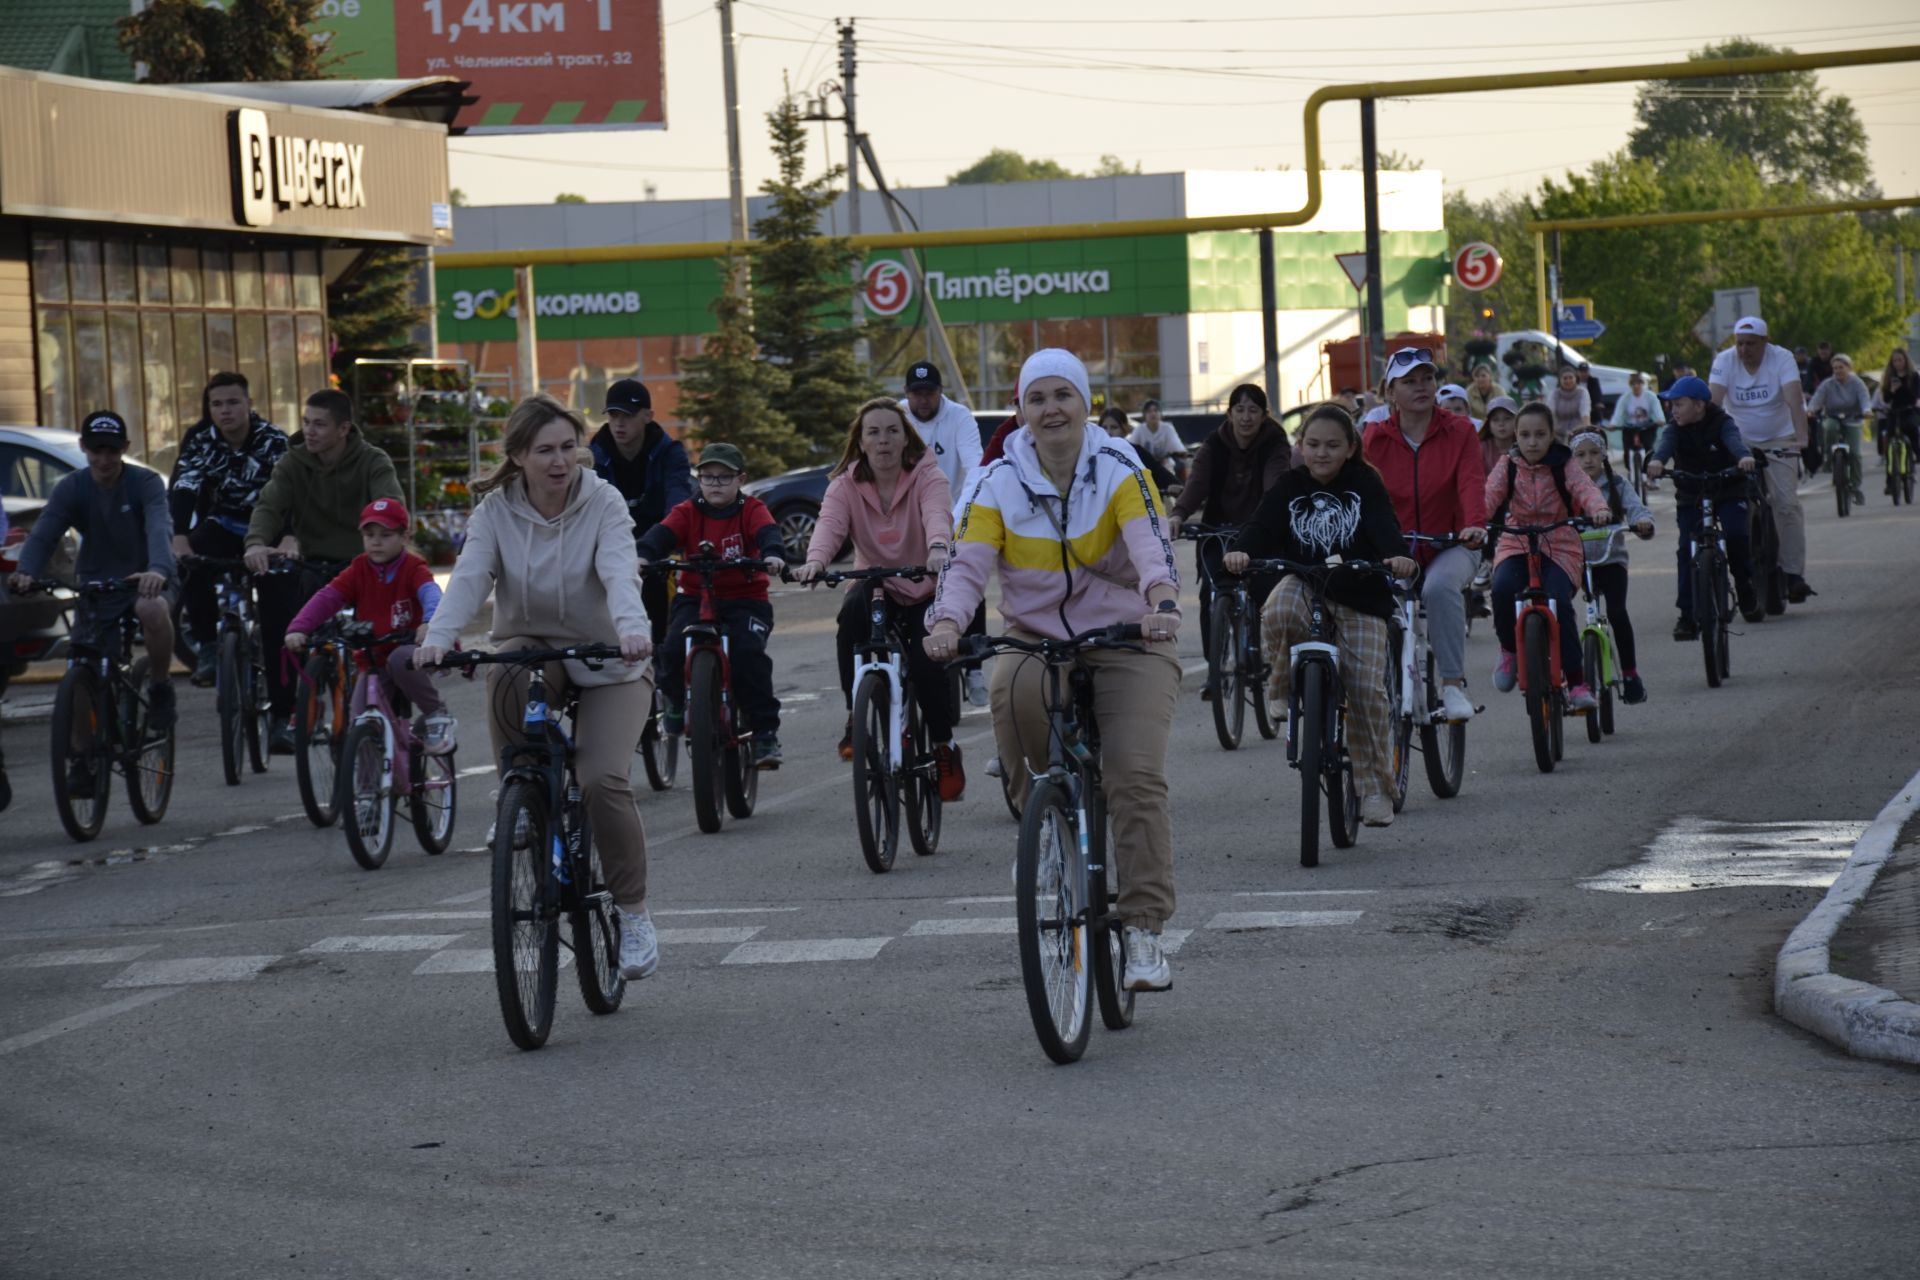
<point>729,393</point>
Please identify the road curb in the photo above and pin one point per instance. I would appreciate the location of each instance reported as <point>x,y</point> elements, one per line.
<point>1865,1020</point>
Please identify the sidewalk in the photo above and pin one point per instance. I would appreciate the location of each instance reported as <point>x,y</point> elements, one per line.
<point>1851,971</point>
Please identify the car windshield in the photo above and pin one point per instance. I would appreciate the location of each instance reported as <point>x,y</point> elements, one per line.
<point>27,473</point>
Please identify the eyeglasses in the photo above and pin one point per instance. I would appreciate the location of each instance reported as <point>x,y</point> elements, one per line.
<point>1409,357</point>
<point>717,481</point>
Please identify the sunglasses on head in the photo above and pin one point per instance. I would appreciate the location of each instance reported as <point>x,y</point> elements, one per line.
<point>1408,357</point>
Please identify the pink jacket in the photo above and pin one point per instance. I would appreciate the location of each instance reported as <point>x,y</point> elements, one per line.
<point>1536,500</point>
<point>887,537</point>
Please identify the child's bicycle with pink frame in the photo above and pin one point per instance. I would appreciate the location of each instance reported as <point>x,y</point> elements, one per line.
<point>1536,630</point>
<point>383,762</point>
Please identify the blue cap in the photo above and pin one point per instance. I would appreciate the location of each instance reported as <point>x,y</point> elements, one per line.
<point>1687,388</point>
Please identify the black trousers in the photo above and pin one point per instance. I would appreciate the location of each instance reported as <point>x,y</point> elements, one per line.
<point>1610,580</point>
<point>197,592</point>
<point>930,681</point>
<point>747,625</point>
<point>277,597</point>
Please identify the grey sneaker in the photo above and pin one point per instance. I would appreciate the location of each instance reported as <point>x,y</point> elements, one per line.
<point>639,945</point>
<point>1376,811</point>
<point>438,732</point>
<point>994,768</point>
<point>1147,967</point>
<point>520,836</point>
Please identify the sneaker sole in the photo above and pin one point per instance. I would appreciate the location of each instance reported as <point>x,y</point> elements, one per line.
<point>639,973</point>
<point>1139,985</point>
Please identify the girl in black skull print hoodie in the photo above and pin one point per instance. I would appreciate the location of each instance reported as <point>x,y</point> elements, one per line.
<point>1350,515</point>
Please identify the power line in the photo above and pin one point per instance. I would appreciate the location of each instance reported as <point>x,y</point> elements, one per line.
<point>1422,14</point>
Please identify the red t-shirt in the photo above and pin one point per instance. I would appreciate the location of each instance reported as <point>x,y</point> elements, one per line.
<point>389,596</point>
<point>744,532</point>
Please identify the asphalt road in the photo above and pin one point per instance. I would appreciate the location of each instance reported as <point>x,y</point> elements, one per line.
<point>1474,1045</point>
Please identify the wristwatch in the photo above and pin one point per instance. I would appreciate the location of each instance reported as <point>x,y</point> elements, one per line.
<point>1167,606</point>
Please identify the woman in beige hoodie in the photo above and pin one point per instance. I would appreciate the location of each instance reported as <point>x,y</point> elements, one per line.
<point>553,543</point>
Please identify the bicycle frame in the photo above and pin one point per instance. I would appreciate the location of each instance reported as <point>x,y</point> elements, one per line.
<point>1535,599</point>
<point>706,632</point>
<point>1597,624</point>
<point>891,667</point>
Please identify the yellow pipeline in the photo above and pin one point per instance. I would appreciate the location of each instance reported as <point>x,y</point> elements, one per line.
<point>1770,64</point>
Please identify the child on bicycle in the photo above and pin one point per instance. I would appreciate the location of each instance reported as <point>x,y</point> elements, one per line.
<point>1539,484</point>
<point>1496,442</point>
<point>738,526</point>
<point>393,589</point>
<point>1335,504</point>
<point>1700,437</point>
<point>1607,560</point>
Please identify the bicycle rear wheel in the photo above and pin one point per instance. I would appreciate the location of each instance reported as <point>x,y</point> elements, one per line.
<point>259,709</point>
<point>660,753</point>
<point>920,786</point>
<point>366,803</point>
<point>1401,743</point>
<point>1229,710</point>
<point>876,803</point>
<point>1597,681</point>
<point>1534,650</point>
<point>594,926</point>
<point>82,769</point>
<point>743,776</point>
<point>150,761</point>
<point>1604,692</point>
<point>526,932</point>
<point>1310,733</point>
<point>1706,614</point>
<point>313,744</point>
<point>435,800</point>
<point>231,698</point>
<point>704,732</point>
<point>1107,937</point>
<point>1052,924</point>
<point>1343,805</point>
<point>1442,745</point>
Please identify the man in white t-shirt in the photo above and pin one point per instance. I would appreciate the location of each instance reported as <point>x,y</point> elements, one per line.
<point>1159,446</point>
<point>1758,384</point>
<point>948,428</point>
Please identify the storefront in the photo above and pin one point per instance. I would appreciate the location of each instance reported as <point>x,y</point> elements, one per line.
<point>1171,317</point>
<point>151,236</point>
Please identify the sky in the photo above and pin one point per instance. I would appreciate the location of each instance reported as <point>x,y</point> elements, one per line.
<point>1216,84</point>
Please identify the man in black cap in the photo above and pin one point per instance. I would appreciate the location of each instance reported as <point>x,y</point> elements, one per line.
<point>953,437</point>
<point>635,455</point>
<point>126,532</point>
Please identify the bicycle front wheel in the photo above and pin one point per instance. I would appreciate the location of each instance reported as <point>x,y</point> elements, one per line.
<point>1310,732</point>
<point>1229,709</point>
<point>230,697</point>
<point>876,806</point>
<point>82,769</point>
<point>435,799</point>
<point>150,762</point>
<point>1535,651</point>
<point>1842,483</point>
<point>313,744</point>
<point>259,714</point>
<point>704,731</point>
<point>1443,745</point>
<point>1052,924</point>
<point>1706,614</point>
<point>366,804</point>
<point>526,932</point>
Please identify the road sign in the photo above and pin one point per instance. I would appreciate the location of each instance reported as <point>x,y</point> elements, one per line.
<point>1577,325</point>
<point>1355,265</point>
<point>1477,266</point>
<point>551,66</point>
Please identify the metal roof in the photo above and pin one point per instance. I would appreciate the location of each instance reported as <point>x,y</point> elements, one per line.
<point>434,99</point>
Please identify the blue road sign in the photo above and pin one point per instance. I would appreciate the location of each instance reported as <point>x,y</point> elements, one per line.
<point>1581,330</point>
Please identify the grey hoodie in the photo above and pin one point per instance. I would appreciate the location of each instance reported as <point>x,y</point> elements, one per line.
<point>570,580</point>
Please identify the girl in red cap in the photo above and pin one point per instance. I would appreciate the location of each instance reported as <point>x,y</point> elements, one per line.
<point>392,588</point>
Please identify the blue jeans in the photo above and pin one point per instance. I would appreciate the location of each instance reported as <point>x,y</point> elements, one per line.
<point>1509,580</point>
<point>1733,523</point>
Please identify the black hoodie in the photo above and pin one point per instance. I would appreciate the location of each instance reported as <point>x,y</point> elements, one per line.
<point>1351,517</point>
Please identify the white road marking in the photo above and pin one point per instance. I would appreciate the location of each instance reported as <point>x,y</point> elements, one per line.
<point>719,911</point>
<point>174,973</point>
<point>473,961</point>
<point>97,955</point>
<point>474,895</point>
<point>126,1004</point>
<point>1706,853</point>
<point>35,887</point>
<point>381,942</point>
<point>474,771</point>
<point>805,949</point>
<point>1171,940</point>
<point>972,902</point>
<point>432,915</point>
<point>725,933</point>
<point>239,831</point>
<point>1298,893</point>
<point>950,927</point>
<point>1238,920</point>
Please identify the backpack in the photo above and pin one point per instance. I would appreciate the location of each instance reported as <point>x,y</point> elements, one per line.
<point>1559,482</point>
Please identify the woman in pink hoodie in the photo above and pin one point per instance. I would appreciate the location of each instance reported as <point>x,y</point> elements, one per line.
<point>889,495</point>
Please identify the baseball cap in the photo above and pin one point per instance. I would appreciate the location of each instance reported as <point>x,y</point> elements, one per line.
<point>1503,402</point>
<point>1451,391</point>
<point>1750,324</point>
<point>104,429</point>
<point>390,512</point>
<point>1688,388</point>
<point>629,395</point>
<point>1407,359</point>
<point>724,454</point>
<point>923,376</point>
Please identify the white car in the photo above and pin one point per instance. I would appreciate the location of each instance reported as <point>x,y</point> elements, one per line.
<point>1536,347</point>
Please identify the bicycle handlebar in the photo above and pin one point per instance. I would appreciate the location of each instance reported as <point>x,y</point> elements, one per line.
<point>1119,635</point>
<point>1438,542</point>
<point>1541,530</point>
<point>712,565</point>
<point>1316,569</point>
<point>1194,530</point>
<point>469,658</point>
<point>913,573</point>
<point>96,587</point>
<point>1709,477</point>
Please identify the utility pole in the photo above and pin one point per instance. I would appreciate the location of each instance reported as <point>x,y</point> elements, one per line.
<point>853,128</point>
<point>730,80</point>
<point>1376,327</point>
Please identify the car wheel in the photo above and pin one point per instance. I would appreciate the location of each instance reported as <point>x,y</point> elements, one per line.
<point>796,523</point>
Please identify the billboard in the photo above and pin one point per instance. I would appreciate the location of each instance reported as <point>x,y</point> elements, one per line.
<point>537,66</point>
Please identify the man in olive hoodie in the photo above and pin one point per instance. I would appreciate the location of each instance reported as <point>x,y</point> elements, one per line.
<point>310,509</point>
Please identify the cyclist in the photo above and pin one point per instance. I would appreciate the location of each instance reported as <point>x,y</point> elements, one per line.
<point>1481,392</point>
<point>733,522</point>
<point>1496,430</point>
<point>1430,460</point>
<point>1607,561</point>
<point>1840,404</point>
<point>953,438</point>
<point>1701,437</point>
<point>1539,483</point>
<point>1571,403</point>
<point>1637,415</point>
<point>1335,505</point>
<point>1899,397</point>
<point>553,544</point>
<point>310,508</point>
<point>889,495</point>
<point>1237,464</point>
<point>125,532</point>
<point>1073,523</point>
<point>1596,401</point>
<point>1160,446</point>
<point>1453,398</point>
<point>1758,385</point>
<point>224,462</point>
<point>635,455</point>
<point>392,588</point>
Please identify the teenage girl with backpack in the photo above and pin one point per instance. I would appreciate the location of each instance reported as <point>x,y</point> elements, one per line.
<point>1538,484</point>
<point>1608,560</point>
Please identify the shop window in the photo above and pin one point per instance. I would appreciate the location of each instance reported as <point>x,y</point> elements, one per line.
<point>185,260</point>
<point>156,341</point>
<point>122,273</point>
<point>50,269</point>
<point>308,295</point>
<point>154,287</point>
<point>250,340</point>
<point>222,353</point>
<point>189,366</point>
<point>216,270</point>
<point>310,343</point>
<point>283,362</point>
<point>1085,338</point>
<point>1135,347</point>
<point>123,359</point>
<point>276,276</point>
<point>54,347</point>
<point>83,265</point>
<point>246,279</point>
<point>1004,348</point>
<point>90,388</point>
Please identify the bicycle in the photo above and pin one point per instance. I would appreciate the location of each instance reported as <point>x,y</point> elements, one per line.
<point>320,721</point>
<point>1634,454</point>
<point>1443,742</point>
<point>240,680</point>
<point>719,739</point>
<point>1236,669</point>
<point>544,863</point>
<point>1543,682</point>
<point>892,754</point>
<point>1070,938</point>
<point>102,719</point>
<point>659,751</point>
<point>1840,461</point>
<point>1712,584</point>
<point>1768,577</point>
<point>1900,478</point>
<point>385,762</point>
<point>1597,647</point>
<point>1317,712</point>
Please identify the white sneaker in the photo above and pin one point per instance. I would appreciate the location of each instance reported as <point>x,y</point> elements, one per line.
<point>1455,705</point>
<point>1147,967</point>
<point>639,944</point>
<point>440,730</point>
<point>977,687</point>
<point>994,770</point>
<point>1376,811</point>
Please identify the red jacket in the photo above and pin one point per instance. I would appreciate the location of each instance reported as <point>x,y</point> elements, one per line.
<point>746,529</point>
<point>997,446</point>
<point>400,595</point>
<point>1439,488</point>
